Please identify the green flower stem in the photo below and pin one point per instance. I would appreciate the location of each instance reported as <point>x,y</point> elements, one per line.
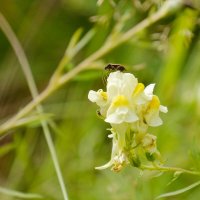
<point>111,43</point>
<point>168,169</point>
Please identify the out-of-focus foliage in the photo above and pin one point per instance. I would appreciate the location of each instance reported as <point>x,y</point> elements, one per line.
<point>167,54</point>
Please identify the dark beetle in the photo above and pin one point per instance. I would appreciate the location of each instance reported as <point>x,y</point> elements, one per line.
<point>115,67</point>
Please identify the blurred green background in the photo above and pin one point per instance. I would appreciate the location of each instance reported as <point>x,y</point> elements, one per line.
<point>167,54</point>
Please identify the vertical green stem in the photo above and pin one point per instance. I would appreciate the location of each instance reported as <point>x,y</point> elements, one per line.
<point>34,92</point>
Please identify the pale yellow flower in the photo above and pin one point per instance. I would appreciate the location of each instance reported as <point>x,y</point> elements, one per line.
<point>120,88</point>
<point>151,114</point>
<point>130,108</point>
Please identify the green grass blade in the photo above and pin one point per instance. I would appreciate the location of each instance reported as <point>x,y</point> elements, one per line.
<point>20,195</point>
<point>71,52</point>
<point>169,194</point>
<point>74,40</point>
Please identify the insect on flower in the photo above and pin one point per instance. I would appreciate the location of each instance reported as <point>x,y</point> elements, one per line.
<point>114,67</point>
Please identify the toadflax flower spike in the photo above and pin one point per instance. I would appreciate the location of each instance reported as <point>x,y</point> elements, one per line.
<point>130,108</point>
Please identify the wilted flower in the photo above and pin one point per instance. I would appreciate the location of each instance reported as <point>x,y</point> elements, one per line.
<point>130,108</point>
<point>149,143</point>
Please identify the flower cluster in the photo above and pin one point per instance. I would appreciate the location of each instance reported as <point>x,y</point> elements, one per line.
<point>130,108</point>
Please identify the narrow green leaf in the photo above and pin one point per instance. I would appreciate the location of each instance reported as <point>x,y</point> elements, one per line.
<point>175,177</point>
<point>20,195</point>
<point>87,37</point>
<point>32,120</point>
<point>75,46</point>
<point>74,40</point>
<point>169,194</point>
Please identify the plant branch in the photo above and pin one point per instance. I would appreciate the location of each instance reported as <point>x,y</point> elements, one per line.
<point>111,43</point>
<point>167,169</point>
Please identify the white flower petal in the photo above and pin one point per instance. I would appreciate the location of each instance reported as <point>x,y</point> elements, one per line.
<point>129,84</point>
<point>98,98</point>
<point>107,165</point>
<point>110,135</point>
<point>93,96</point>
<point>152,117</point>
<point>121,114</point>
<point>148,91</point>
<point>113,84</point>
<point>131,117</point>
<point>122,110</point>
<point>112,90</point>
<point>119,83</point>
<point>154,121</point>
<point>115,115</point>
<point>143,96</point>
<point>114,119</point>
<point>163,109</point>
<point>141,100</point>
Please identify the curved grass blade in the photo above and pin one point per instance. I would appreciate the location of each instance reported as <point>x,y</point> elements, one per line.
<point>74,40</point>
<point>75,46</point>
<point>20,195</point>
<point>169,194</point>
